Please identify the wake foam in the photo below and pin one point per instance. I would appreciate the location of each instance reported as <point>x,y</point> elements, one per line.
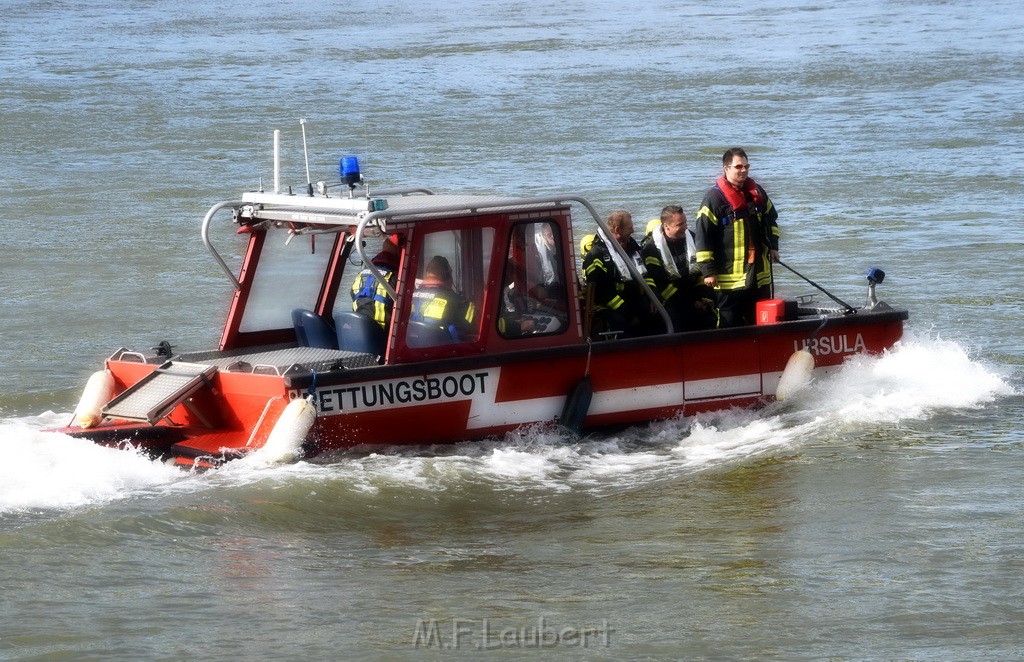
<point>50,471</point>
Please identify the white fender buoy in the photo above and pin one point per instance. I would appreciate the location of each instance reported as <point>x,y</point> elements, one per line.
<point>98,392</point>
<point>290,430</point>
<point>796,375</point>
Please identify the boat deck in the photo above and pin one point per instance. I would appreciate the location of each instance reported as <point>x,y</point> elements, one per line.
<point>280,360</point>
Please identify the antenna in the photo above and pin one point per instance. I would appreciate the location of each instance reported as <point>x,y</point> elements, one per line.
<point>305,152</point>
<point>277,161</point>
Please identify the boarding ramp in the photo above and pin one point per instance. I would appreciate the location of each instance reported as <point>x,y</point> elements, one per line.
<point>157,394</point>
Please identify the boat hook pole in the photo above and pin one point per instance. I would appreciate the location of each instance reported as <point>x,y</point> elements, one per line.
<point>848,307</point>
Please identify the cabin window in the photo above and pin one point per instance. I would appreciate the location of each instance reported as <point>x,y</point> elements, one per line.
<point>533,292</point>
<point>451,279</point>
<point>290,275</point>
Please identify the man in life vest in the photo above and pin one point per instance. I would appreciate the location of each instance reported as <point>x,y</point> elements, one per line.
<point>620,304</point>
<point>435,301</point>
<point>737,240</point>
<point>368,295</point>
<point>670,257</point>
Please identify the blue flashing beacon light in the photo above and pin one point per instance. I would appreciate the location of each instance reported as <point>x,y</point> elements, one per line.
<point>349,169</point>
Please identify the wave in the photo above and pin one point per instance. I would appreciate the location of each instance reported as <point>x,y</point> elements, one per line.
<point>919,379</point>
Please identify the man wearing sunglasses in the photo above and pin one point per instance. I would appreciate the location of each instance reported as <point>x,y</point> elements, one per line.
<point>737,239</point>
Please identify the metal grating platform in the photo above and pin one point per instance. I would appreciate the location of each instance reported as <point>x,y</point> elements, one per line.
<point>277,361</point>
<point>154,396</point>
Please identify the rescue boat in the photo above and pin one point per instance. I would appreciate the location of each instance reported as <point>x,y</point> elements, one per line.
<point>296,368</point>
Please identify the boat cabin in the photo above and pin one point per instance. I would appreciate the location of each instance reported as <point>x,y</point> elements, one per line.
<point>508,274</point>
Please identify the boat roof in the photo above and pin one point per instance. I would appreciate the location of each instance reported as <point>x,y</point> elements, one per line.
<point>405,206</point>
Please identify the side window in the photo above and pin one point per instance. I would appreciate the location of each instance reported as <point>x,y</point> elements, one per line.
<point>452,273</point>
<point>533,290</point>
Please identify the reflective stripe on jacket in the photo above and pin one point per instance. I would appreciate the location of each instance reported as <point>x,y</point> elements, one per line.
<point>370,298</point>
<point>446,308</point>
<point>612,289</point>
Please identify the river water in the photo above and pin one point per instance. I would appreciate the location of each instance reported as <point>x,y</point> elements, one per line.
<point>877,516</point>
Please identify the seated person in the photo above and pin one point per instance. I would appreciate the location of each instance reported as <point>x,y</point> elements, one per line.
<point>522,315</point>
<point>435,301</point>
<point>533,294</point>
<point>514,320</point>
<point>368,296</point>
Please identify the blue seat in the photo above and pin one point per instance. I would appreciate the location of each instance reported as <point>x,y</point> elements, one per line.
<point>425,334</point>
<point>359,333</point>
<point>311,330</point>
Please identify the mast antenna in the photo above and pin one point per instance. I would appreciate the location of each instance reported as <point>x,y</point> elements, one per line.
<point>305,153</point>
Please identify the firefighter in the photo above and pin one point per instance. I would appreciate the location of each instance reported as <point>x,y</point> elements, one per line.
<point>368,295</point>
<point>620,304</point>
<point>437,302</point>
<point>737,240</point>
<point>670,258</point>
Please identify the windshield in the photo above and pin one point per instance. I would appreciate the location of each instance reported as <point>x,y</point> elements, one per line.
<point>290,275</point>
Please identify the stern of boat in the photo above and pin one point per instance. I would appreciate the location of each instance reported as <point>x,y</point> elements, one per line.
<point>199,409</point>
